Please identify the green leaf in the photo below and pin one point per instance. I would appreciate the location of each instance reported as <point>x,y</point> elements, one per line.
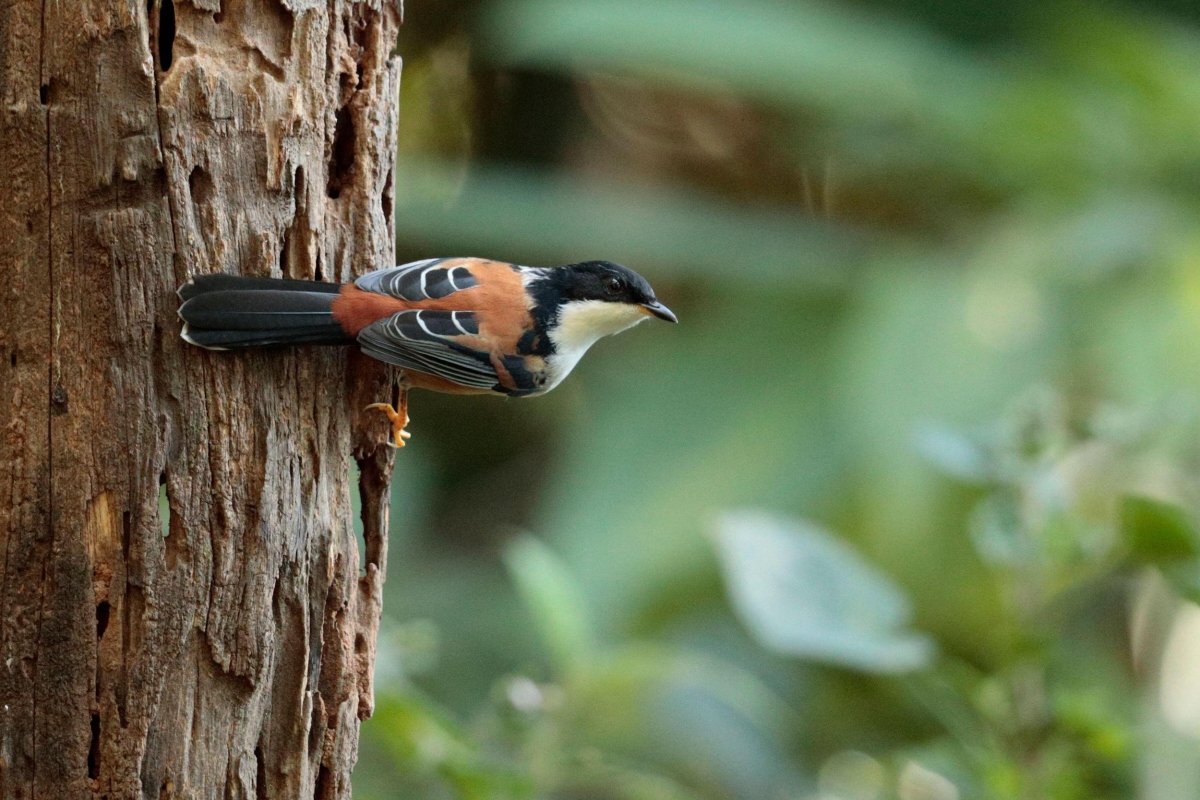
<point>433,748</point>
<point>1158,532</point>
<point>553,599</point>
<point>802,592</point>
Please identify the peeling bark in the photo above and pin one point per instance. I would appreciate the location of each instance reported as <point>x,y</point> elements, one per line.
<point>227,650</point>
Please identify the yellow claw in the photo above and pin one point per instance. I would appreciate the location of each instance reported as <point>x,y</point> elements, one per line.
<point>398,418</point>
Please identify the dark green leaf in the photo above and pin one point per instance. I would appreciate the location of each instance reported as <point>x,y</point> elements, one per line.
<point>1157,532</point>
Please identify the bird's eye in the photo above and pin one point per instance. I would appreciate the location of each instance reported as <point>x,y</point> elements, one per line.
<point>614,284</point>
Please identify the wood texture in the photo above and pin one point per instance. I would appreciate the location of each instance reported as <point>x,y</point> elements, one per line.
<point>227,650</point>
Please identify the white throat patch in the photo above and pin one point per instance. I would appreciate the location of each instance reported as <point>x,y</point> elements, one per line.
<point>581,323</point>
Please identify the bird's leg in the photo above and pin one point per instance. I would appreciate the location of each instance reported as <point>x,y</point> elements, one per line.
<point>397,416</point>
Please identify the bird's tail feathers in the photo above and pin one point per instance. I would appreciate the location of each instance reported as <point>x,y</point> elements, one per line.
<point>231,312</point>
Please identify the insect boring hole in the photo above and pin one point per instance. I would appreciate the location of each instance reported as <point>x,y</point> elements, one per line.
<point>260,774</point>
<point>201,186</point>
<point>93,756</point>
<point>358,505</point>
<point>102,612</point>
<point>164,506</point>
<point>166,35</point>
<point>387,200</point>
<point>341,163</point>
<point>284,248</point>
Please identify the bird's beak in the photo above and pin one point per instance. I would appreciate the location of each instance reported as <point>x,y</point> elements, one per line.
<point>657,309</point>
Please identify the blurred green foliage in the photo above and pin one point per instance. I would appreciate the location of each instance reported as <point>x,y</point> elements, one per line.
<point>905,507</point>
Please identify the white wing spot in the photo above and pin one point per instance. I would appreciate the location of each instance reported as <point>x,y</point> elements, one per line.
<point>457,324</point>
<point>421,322</point>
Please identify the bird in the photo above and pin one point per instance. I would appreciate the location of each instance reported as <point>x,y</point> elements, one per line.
<point>453,325</point>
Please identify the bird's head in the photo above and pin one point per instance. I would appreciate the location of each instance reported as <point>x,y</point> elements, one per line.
<point>599,298</point>
<point>606,282</point>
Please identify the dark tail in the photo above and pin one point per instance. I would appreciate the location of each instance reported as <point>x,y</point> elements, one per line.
<point>231,312</point>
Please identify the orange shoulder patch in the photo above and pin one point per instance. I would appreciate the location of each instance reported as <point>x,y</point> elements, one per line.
<point>355,309</point>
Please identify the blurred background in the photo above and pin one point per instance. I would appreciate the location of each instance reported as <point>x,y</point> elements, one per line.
<point>903,508</point>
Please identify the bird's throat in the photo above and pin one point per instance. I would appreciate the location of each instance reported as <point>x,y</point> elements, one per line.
<point>582,322</point>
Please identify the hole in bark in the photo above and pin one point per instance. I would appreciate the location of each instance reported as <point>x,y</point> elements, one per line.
<point>323,788</point>
<point>276,608</point>
<point>341,164</point>
<point>387,200</point>
<point>360,644</point>
<point>166,34</point>
<point>164,506</point>
<point>13,359</point>
<point>364,508</point>
<point>374,477</point>
<point>298,193</point>
<point>59,400</point>
<point>317,724</point>
<point>260,779</point>
<point>48,93</point>
<point>360,536</point>
<point>200,185</point>
<point>102,610</point>
<point>93,758</point>
<point>320,274</point>
<point>219,15</point>
<point>283,252</point>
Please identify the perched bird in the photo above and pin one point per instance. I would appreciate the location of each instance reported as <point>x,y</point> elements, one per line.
<point>458,325</point>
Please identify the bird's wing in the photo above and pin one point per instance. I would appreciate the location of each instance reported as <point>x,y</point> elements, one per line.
<point>441,343</point>
<point>430,279</point>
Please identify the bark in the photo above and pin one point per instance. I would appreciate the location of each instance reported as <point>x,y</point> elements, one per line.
<point>222,646</point>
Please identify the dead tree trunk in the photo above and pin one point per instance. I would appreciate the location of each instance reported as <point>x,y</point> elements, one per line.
<point>227,650</point>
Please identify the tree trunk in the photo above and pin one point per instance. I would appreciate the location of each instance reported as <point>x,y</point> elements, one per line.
<point>227,649</point>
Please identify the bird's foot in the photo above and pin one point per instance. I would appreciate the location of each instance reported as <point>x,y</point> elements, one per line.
<point>398,418</point>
